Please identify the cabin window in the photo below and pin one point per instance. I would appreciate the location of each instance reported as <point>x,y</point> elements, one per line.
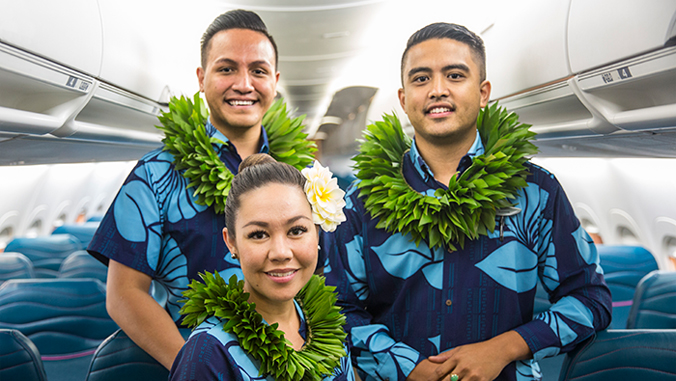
<point>627,237</point>
<point>6,235</point>
<point>34,229</point>
<point>593,230</point>
<point>60,220</point>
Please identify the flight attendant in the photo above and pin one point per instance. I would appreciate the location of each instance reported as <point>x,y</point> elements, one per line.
<point>165,223</point>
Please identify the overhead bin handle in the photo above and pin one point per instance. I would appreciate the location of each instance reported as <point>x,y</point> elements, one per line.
<point>69,112</point>
<point>600,121</point>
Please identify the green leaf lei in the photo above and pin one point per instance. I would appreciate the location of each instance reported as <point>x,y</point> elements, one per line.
<point>468,208</point>
<point>186,139</point>
<point>325,335</point>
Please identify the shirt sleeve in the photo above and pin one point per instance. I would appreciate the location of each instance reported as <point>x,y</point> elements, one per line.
<point>130,232</point>
<point>375,353</point>
<point>573,277</point>
<point>203,357</point>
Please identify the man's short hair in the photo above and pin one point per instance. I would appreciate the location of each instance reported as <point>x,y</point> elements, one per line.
<point>454,32</point>
<point>235,19</point>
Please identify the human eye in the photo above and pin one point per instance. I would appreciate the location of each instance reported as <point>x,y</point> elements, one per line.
<point>225,69</point>
<point>455,76</point>
<point>297,230</point>
<point>260,72</point>
<point>420,79</point>
<point>257,234</point>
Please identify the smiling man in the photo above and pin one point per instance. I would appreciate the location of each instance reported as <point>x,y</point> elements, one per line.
<point>455,301</point>
<point>156,229</point>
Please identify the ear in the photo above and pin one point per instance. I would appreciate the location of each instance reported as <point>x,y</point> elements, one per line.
<point>229,241</point>
<point>485,91</point>
<point>200,78</point>
<point>402,99</point>
<point>276,78</point>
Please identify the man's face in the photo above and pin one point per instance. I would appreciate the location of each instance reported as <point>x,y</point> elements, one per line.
<point>239,80</point>
<point>443,91</point>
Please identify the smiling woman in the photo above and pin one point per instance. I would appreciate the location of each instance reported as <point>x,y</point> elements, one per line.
<point>297,329</point>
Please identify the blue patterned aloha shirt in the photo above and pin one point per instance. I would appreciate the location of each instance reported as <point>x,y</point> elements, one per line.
<point>404,303</point>
<point>213,354</point>
<point>155,226</point>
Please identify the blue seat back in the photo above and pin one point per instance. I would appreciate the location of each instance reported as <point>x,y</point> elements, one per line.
<point>46,252</point>
<point>654,304</point>
<point>83,232</point>
<point>623,268</point>
<point>119,358</point>
<point>646,355</point>
<point>81,264</point>
<point>65,318</point>
<point>20,358</point>
<point>15,266</point>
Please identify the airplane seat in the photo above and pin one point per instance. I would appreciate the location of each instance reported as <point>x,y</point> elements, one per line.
<point>20,358</point>
<point>654,304</point>
<point>83,232</point>
<point>81,264</point>
<point>65,318</point>
<point>15,266</point>
<point>119,358</point>
<point>46,252</point>
<point>96,218</point>
<point>646,355</point>
<point>623,268</point>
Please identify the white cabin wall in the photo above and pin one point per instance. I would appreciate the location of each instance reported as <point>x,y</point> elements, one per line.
<point>36,199</point>
<point>621,193</point>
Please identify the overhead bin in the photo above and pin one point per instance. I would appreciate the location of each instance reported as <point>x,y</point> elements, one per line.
<point>54,92</point>
<point>620,59</point>
<point>67,32</point>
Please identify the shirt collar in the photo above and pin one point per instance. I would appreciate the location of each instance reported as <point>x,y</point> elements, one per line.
<point>424,170</point>
<point>213,132</point>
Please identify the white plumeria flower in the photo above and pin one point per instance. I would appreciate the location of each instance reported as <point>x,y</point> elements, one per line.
<point>326,198</point>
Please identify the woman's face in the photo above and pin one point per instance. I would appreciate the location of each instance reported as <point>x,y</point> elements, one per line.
<point>275,241</point>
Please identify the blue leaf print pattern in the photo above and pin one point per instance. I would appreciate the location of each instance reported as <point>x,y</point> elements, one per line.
<point>357,271</point>
<point>402,260</point>
<point>245,364</point>
<point>172,273</point>
<point>171,191</point>
<point>530,231</point>
<point>379,349</point>
<point>585,245</point>
<point>571,308</point>
<point>527,371</point>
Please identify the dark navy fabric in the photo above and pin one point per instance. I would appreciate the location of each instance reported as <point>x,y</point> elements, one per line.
<point>404,303</point>
<point>213,354</point>
<point>155,226</point>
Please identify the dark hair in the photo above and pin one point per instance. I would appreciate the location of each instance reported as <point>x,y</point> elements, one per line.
<point>235,19</point>
<point>454,32</point>
<point>254,172</point>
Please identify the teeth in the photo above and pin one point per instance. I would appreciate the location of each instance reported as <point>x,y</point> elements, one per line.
<point>281,275</point>
<point>241,103</point>
<point>438,110</point>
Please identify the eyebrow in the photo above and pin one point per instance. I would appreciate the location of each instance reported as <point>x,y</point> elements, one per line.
<point>233,62</point>
<point>265,224</point>
<point>423,69</point>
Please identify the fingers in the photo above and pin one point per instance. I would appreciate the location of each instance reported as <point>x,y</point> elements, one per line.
<point>441,357</point>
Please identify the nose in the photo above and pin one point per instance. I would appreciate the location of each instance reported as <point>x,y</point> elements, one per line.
<point>439,88</point>
<point>243,83</point>
<point>280,250</point>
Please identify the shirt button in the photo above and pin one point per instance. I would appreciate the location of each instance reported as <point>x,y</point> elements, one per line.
<point>448,302</point>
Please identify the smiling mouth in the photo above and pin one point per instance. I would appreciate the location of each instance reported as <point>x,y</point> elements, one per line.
<point>241,103</point>
<point>281,275</point>
<point>439,110</point>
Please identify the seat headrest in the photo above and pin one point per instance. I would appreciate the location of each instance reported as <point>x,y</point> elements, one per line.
<point>20,358</point>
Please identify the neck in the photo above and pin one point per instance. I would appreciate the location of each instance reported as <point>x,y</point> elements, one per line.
<point>244,139</point>
<point>443,157</point>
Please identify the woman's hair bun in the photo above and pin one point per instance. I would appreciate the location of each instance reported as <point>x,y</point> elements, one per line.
<point>256,159</point>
